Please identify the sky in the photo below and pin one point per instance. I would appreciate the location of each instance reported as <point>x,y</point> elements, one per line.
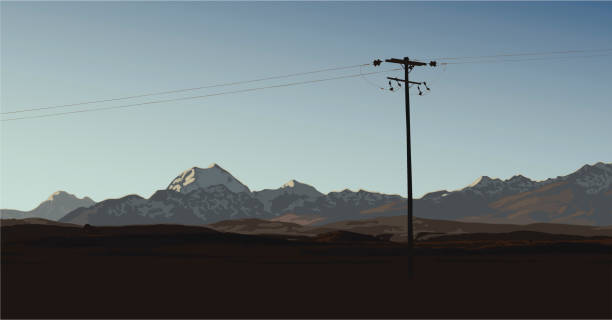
<point>539,118</point>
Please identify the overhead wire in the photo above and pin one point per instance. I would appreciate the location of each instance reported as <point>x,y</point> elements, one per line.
<point>361,74</point>
<point>526,59</point>
<point>187,89</point>
<point>520,54</point>
<point>445,64</point>
<point>368,81</point>
<point>197,97</point>
<point>437,78</point>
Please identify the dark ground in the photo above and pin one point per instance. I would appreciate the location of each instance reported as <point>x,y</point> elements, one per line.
<point>192,272</point>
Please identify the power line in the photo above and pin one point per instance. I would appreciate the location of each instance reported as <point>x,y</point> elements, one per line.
<point>187,89</point>
<point>199,97</point>
<point>527,59</point>
<point>368,81</point>
<point>523,54</point>
<point>330,69</point>
<point>300,74</point>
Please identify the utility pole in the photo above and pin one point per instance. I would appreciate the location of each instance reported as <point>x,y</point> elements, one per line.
<point>408,65</point>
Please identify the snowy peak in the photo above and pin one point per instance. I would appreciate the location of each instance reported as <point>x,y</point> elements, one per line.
<point>288,196</point>
<point>516,182</point>
<point>213,166</point>
<point>360,196</point>
<point>296,187</point>
<point>486,181</point>
<point>594,179</point>
<point>198,178</point>
<point>291,184</point>
<point>598,168</point>
<point>519,178</point>
<point>486,186</point>
<point>603,166</point>
<point>482,181</point>
<point>494,188</point>
<point>65,196</point>
<point>57,194</point>
<point>521,183</point>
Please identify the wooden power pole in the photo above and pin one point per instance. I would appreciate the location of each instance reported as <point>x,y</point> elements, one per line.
<point>408,65</point>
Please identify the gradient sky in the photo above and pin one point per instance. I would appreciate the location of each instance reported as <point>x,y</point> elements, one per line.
<point>537,118</point>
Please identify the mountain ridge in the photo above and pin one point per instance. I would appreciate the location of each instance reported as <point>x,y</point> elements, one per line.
<point>581,197</point>
<point>57,205</point>
<point>201,196</point>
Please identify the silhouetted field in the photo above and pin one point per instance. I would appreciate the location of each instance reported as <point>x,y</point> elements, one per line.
<point>195,272</point>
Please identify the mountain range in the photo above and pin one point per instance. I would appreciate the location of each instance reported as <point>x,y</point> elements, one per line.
<point>208,195</point>
<point>583,197</point>
<point>55,207</point>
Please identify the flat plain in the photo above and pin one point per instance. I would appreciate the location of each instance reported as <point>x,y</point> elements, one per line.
<point>167,271</point>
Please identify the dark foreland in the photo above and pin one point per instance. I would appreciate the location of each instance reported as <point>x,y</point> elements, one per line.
<point>169,271</point>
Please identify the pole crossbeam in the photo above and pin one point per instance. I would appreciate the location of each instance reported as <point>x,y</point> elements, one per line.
<point>409,62</point>
<point>402,80</point>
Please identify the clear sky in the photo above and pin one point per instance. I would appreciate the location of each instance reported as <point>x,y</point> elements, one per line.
<point>537,118</point>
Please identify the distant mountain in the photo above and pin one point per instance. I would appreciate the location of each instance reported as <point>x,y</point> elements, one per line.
<point>54,208</point>
<point>343,205</point>
<point>583,197</point>
<point>287,197</point>
<point>197,207</point>
<point>204,196</point>
<point>201,196</point>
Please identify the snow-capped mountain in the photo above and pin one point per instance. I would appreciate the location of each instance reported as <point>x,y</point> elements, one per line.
<point>582,197</point>
<point>287,197</point>
<point>55,207</point>
<point>198,178</point>
<point>201,196</point>
<point>593,179</point>
<point>200,206</point>
<point>489,189</point>
<point>343,205</point>
<point>492,188</point>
